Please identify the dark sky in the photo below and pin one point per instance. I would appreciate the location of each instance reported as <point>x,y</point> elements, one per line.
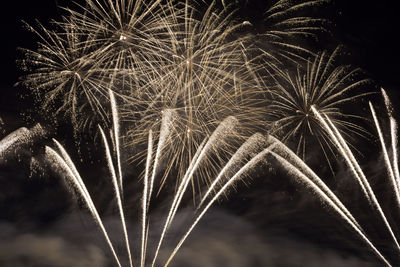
<point>369,29</point>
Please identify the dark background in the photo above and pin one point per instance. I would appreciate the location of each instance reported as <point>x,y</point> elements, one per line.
<point>258,224</point>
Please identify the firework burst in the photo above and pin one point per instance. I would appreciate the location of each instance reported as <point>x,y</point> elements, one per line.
<point>65,79</point>
<point>126,37</point>
<point>105,45</point>
<point>204,78</point>
<point>238,166</point>
<point>155,56</point>
<point>301,172</point>
<point>284,24</point>
<point>321,84</point>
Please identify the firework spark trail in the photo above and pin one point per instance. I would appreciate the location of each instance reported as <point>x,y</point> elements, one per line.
<point>389,168</point>
<point>67,159</point>
<point>7,142</point>
<point>117,192</point>
<point>116,136</point>
<point>171,210</point>
<point>321,83</point>
<point>227,125</point>
<point>249,165</point>
<point>346,152</point>
<point>168,118</point>
<point>185,181</point>
<point>282,22</point>
<point>393,133</point>
<point>144,200</point>
<point>19,136</point>
<point>351,162</point>
<point>251,144</point>
<point>324,197</point>
<point>375,201</point>
<point>78,183</point>
<point>204,77</point>
<point>282,149</point>
<point>388,104</point>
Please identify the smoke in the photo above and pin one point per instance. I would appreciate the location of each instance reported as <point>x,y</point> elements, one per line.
<point>226,240</point>
<point>35,250</point>
<point>46,249</point>
<point>221,239</point>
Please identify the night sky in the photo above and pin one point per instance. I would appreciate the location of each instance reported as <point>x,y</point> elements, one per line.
<point>269,221</point>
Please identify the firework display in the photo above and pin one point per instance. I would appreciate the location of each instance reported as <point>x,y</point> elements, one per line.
<point>321,84</point>
<point>301,171</point>
<point>189,100</point>
<point>63,162</point>
<point>156,56</point>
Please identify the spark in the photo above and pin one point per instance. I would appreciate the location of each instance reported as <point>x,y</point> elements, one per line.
<point>117,189</point>
<point>359,174</point>
<point>73,175</point>
<point>203,78</point>
<point>284,154</point>
<point>249,165</point>
<point>18,137</point>
<point>394,181</point>
<point>321,84</point>
<point>341,210</point>
<point>247,148</point>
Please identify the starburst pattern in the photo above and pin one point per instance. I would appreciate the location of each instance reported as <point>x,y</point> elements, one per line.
<point>204,79</point>
<point>323,84</point>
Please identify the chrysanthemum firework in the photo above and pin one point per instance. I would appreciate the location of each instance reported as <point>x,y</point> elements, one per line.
<point>205,78</point>
<point>126,36</point>
<point>101,46</point>
<point>321,83</point>
<point>64,78</point>
<point>184,57</point>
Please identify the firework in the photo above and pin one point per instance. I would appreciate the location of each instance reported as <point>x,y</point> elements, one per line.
<point>102,46</point>
<point>236,168</point>
<point>155,56</point>
<point>284,24</point>
<point>298,169</point>
<point>65,79</point>
<point>17,138</point>
<point>126,39</point>
<point>324,85</point>
<point>315,184</point>
<point>204,77</point>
